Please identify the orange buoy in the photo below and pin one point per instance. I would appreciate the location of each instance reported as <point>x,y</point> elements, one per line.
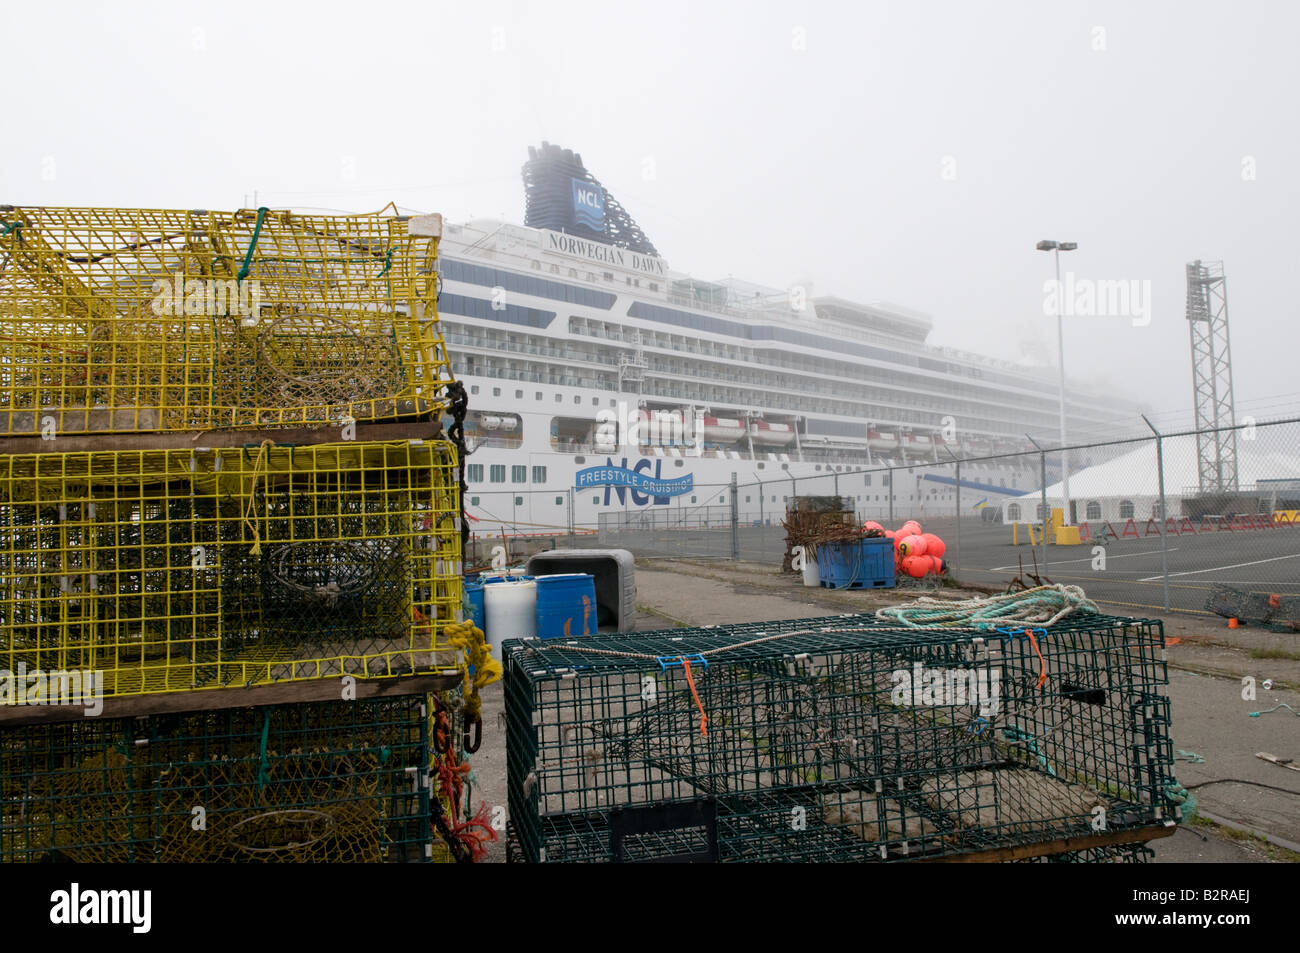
<point>1233,623</point>
<point>934,546</point>
<point>912,546</point>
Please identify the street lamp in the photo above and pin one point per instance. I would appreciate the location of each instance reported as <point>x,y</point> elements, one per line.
<point>1056,248</point>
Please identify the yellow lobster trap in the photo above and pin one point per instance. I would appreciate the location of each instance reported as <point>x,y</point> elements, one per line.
<point>136,320</point>
<point>176,570</point>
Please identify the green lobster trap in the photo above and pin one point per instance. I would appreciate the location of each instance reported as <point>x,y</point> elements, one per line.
<point>839,739</point>
<point>140,320</point>
<point>175,570</point>
<point>338,781</point>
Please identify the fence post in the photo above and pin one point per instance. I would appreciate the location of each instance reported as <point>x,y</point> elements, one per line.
<point>890,477</point>
<point>956,562</point>
<point>572,528</point>
<point>837,484</point>
<point>735,518</point>
<point>1164,513</point>
<point>1047,513</point>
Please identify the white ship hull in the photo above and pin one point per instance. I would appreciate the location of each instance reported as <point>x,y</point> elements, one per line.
<point>537,488</point>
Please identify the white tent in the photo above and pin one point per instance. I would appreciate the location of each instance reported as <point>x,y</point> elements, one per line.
<point>1128,487</point>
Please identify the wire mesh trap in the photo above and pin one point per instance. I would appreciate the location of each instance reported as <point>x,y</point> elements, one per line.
<point>345,781</point>
<point>156,320</point>
<point>177,570</point>
<point>1268,610</point>
<point>835,740</point>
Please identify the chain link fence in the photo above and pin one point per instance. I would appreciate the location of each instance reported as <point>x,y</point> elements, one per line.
<point>1154,521</point>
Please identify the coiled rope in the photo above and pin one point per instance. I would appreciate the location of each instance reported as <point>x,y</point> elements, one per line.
<point>1043,605</point>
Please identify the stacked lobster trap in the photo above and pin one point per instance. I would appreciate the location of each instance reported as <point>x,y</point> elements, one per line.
<point>841,740</point>
<point>134,320</point>
<point>224,469</point>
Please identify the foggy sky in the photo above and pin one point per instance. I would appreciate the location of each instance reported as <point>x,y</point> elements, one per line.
<point>911,153</point>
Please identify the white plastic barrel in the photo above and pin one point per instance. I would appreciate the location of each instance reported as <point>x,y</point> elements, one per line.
<point>811,575</point>
<point>510,612</point>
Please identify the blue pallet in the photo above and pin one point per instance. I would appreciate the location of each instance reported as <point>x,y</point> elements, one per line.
<point>862,564</point>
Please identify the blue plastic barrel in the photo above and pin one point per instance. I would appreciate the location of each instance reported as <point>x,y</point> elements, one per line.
<point>474,595</point>
<point>566,605</point>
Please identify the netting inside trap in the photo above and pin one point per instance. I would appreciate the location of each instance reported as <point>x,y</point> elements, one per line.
<point>196,569</point>
<point>145,320</point>
<point>833,740</point>
<point>317,782</point>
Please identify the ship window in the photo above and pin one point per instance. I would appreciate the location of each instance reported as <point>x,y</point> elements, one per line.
<point>608,275</point>
<point>496,391</point>
<point>866,480</point>
<point>596,500</point>
<point>819,466</point>
<point>473,388</point>
<point>654,286</point>
<point>577,398</point>
<point>722,498</point>
<point>573,272</point>
<point>692,499</point>
<point>559,398</point>
<point>537,396</point>
<point>595,401</point>
<point>473,501</point>
<point>559,501</point>
<point>762,466</point>
<point>785,466</point>
<point>474,472</point>
<point>678,463</point>
<point>519,395</point>
<point>497,473</point>
<point>539,474</point>
<point>518,474</point>
<point>579,459</point>
<point>519,501</point>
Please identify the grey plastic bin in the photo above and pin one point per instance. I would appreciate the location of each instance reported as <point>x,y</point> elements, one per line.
<point>614,571</point>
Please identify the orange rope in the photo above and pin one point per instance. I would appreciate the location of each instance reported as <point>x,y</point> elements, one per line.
<point>1042,672</point>
<point>690,680</point>
<point>475,832</point>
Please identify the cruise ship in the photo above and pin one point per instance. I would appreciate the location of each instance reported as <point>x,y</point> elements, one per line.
<point>605,385</point>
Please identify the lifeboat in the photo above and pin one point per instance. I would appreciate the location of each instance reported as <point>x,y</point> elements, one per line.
<point>882,441</point>
<point>723,429</point>
<point>495,422</point>
<point>770,434</point>
<point>660,426</point>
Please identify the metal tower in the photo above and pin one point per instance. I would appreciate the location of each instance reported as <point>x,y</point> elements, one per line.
<point>1207,319</point>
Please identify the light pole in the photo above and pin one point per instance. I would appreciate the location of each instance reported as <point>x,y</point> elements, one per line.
<point>1056,248</point>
